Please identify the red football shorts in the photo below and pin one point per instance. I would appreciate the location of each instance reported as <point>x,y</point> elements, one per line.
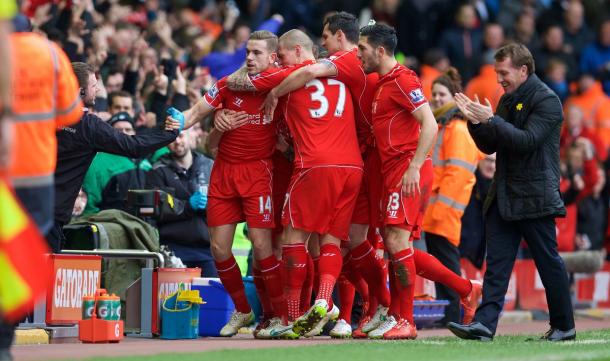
<point>322,199</point>
<point>241,192</point>
<point>368,205</point>
<point>407,212</point>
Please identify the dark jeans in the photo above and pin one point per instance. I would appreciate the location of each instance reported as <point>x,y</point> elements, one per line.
<point>503,238</point>
<point>39,203</point>
<point>449,255</point>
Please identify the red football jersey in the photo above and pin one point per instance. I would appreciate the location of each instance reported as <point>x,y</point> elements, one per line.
<point>255,140</point>
<point>361,86</point>
<point>321,120</point>
<point>399,93</point>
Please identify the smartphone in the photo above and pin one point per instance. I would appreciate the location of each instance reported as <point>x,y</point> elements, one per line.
<point>169,68</point>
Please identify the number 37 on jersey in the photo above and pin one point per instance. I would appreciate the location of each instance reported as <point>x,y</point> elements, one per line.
<point>326,93</point>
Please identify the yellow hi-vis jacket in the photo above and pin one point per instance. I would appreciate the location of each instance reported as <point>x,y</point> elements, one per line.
<point>455,157</point>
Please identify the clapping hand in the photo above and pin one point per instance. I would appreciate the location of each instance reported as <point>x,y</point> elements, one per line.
<point>473,109</point>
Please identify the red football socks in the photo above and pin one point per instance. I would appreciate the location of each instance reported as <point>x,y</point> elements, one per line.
<point>346,297</point>
<point>262,293</point>
<point>230,275</point>
<point>394,309</point>
<point>431,268</point>
<point>294,257</point>
<point>364,260</point>
<point>307,285</point>
<point>271,272</point>
<point>330,268</point>
<point>404,272</point>
<point>355,278</point>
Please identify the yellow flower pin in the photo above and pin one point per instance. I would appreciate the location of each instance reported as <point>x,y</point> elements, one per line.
<point>519,106</point>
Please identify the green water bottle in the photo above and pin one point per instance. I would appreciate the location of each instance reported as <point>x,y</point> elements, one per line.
<point>115,307</point>
<point>88,307</point>
<point>104,308</point>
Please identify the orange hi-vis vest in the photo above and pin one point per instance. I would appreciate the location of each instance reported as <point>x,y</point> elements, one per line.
<point>455,157</point>
<point>45,97</point>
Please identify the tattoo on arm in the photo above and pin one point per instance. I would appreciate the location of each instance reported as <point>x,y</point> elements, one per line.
<point>329,64</point>
<point>240,81</point>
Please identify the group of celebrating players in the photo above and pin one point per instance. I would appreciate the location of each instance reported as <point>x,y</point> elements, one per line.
<point>360,131</point>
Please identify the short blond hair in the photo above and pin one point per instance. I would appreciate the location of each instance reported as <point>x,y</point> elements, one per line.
<point>295,37</point>
<point>268,37</point>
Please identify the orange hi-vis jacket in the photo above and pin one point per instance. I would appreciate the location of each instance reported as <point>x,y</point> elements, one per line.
<point>595,105</point>
<point>455,157</point>
<point>45,97</point>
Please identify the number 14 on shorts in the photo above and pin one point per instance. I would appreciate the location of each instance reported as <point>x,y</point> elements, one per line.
<point>264,203</point>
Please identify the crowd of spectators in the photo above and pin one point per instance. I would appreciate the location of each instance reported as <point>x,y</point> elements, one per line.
<point>150,54</point>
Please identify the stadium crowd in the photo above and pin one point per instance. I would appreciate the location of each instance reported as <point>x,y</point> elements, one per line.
<point>135,61</point>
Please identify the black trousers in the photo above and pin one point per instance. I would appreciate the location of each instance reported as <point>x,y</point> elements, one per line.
<point>449,255</point>
<point>503,238</point>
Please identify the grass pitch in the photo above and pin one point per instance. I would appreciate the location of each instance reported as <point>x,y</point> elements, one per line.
<point>590,345</point>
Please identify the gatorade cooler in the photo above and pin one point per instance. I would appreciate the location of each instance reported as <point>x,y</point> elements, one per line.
<point>101,322</point>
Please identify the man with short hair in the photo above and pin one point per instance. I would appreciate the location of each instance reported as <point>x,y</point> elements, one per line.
<point>404,129</point>
<point>241,189</point>
<point>120,101</point>
<point>185,175</point>
<point>114,81</point>
<point>524,198</point>
<point>77,145</point>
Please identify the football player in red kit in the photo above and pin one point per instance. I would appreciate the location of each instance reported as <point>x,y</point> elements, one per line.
<point>404,129</point>
<point>241,189</point>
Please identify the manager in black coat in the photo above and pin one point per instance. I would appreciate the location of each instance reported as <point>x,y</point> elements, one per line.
<point>524,197</point>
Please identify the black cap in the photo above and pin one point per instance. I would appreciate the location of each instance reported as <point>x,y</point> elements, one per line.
<point>121,117</point>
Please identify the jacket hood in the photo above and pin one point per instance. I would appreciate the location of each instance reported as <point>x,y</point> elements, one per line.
<point>447,112</point>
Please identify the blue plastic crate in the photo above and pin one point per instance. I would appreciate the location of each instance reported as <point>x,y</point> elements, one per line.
<point>426,312</point>
<point>217,310</point>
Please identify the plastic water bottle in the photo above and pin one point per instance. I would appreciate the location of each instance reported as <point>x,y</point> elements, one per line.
<point>202,184</point>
